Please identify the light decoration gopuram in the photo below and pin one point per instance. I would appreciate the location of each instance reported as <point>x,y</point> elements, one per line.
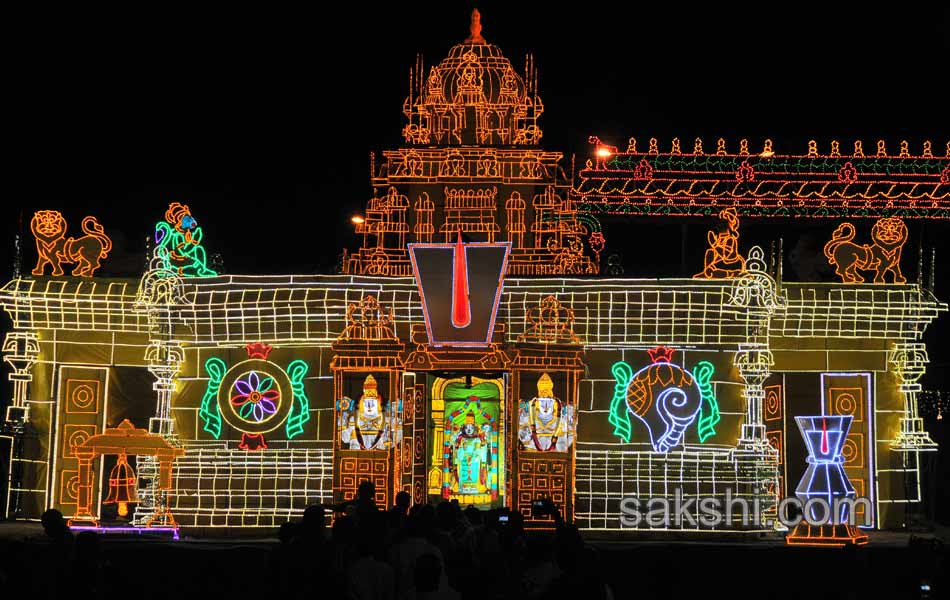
<point>473,167</point>
<point>476,348</point>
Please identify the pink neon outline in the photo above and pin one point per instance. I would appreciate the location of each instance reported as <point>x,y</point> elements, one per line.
<point>501,283</point>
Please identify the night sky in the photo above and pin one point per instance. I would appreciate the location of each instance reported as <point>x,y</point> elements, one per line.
<point>286,107</point>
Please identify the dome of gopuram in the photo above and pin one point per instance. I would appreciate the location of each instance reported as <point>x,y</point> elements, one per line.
<point>474,74</point>
<point>474,96</point>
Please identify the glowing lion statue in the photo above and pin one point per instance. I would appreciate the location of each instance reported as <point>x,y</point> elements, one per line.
<point>888,234</point>
<point>54,248</point>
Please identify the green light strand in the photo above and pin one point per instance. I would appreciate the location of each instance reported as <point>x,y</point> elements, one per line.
<point>301,413</point>
<point>709,409</point>
<point>209,412</point>
<point>618,416</point>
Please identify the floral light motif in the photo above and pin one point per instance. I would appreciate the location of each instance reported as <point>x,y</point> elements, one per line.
<point>256,399</point>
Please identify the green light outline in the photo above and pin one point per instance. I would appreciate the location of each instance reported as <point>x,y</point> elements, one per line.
<point>296,419</point>
<point>210,413</point>
<point>705,424</point>
<point>618,416</point>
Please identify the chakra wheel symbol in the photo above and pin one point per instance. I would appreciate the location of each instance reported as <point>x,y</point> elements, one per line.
<point>255,396</point>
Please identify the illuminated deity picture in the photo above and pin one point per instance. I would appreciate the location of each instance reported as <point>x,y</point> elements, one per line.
<point>367,424</point>
<point>545,423</point>
<point>470,443</point>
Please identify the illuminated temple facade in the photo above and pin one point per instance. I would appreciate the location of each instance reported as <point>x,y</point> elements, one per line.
<point>474,347</point>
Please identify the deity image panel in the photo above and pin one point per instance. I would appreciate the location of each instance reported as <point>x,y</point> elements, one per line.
<point>546,423</point>
<point>369,423</point>
<point>468,460</point>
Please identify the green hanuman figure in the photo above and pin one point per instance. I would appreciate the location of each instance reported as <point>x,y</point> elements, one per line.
<point>178,243</point>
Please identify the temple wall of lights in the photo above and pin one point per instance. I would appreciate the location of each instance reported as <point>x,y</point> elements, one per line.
<point>474,347</point>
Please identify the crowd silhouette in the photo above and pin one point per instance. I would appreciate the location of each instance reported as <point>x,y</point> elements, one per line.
<point>440,552</point>
<point>437,552</point>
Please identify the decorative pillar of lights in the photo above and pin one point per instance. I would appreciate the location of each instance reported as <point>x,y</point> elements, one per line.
<point>757,461</point>
<point>20,351</point>
<point>755,297</point>
<point>164,359</point>
<point>754,362</point>
<point>908,361</point>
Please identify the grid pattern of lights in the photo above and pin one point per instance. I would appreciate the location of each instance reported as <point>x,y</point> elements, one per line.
<point>603,477</point>
<point>607,312</point>
<point>217,487</point>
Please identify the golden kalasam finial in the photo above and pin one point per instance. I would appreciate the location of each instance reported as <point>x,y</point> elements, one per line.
<point>475,29</point>
<point>545,386</point>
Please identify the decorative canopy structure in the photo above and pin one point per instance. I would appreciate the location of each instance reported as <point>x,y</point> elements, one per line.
<point>766,184</point>
<point>124,440</point>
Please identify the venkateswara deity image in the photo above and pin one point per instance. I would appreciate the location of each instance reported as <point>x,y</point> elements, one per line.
<point>370,426</point>
<point>470,453</point>
<point>545,424</point>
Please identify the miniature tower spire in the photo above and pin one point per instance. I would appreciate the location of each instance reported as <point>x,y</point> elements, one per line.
<point>475,29</point>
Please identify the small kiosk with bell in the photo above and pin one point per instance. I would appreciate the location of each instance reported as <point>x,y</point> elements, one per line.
<point>124,441</point>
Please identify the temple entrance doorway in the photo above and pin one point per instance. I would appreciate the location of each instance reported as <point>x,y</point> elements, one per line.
<point>466,433</point>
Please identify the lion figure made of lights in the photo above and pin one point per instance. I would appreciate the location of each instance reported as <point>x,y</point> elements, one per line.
<point>883,255</point>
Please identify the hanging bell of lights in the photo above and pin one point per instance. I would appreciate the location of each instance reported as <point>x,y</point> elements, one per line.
<point>123,486</point>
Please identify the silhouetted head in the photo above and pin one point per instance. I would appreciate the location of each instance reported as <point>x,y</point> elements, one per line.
<point>445,515</point>
<point>366,492</point>
<point>473,515</point>
<point>423,521</point>
<point>403,500</point>
<point>344,530</point>
<point>53,524</point>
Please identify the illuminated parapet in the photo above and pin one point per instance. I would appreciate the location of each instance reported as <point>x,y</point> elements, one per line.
<point>765,184</point>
